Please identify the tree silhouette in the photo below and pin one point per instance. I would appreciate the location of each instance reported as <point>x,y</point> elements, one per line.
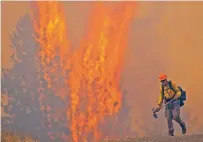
<point>30,103</point>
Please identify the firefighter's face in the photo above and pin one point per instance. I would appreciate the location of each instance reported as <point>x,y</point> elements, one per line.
<point>164,82</point>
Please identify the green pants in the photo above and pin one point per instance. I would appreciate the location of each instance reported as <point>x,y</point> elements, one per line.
<point>172,112</point>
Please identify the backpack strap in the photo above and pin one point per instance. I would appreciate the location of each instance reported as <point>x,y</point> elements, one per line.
<point>162,89</point>
<point>170,87</point>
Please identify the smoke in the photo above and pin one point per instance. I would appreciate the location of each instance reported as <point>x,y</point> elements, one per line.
<point>182,27</point>
<point>29,106</point>
<point>166,38</point>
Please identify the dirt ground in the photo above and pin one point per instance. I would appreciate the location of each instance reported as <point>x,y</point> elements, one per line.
<point>12,137</point>
<point>187,138</point>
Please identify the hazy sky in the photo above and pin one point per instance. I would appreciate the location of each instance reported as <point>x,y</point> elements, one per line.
<point>164,37</point>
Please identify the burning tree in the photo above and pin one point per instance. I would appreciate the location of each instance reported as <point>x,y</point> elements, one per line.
<point>31,104</point>
<point>39,74</point>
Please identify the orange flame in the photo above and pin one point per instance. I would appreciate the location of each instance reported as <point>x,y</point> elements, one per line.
<point>50,29</point>
<point>96,70</point>
<point>95,67</point>
<point>51,34</point>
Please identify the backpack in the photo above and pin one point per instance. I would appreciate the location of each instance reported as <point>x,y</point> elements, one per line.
<point>182,96</point>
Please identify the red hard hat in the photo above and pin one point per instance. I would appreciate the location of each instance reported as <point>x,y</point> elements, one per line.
<point>162,77</point>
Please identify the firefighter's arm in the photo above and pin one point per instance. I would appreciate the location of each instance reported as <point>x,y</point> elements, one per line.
<point>177,90</point>
<point>160,99</point>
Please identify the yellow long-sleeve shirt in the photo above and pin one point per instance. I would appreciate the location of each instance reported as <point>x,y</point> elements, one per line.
<point>169,93</point>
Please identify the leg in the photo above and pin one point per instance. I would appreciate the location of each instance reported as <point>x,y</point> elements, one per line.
<point>176,116</point>
<point>170,127</point>
<point>181,123</point>
<point>168,115</point>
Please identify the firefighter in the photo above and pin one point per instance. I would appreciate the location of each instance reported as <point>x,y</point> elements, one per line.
<point>168,91</point>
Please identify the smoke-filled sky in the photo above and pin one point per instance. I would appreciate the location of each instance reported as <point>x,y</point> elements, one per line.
<point>164,37</point>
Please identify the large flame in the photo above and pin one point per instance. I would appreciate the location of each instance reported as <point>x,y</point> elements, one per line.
<point>51,35</point>
<point>95,67</point>
<point>50,28</point>
<point>96,70</point>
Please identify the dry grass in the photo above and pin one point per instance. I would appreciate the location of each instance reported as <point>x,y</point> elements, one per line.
<point>13,137</point>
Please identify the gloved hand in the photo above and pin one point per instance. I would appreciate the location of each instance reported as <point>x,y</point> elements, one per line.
<point>158,108</point>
